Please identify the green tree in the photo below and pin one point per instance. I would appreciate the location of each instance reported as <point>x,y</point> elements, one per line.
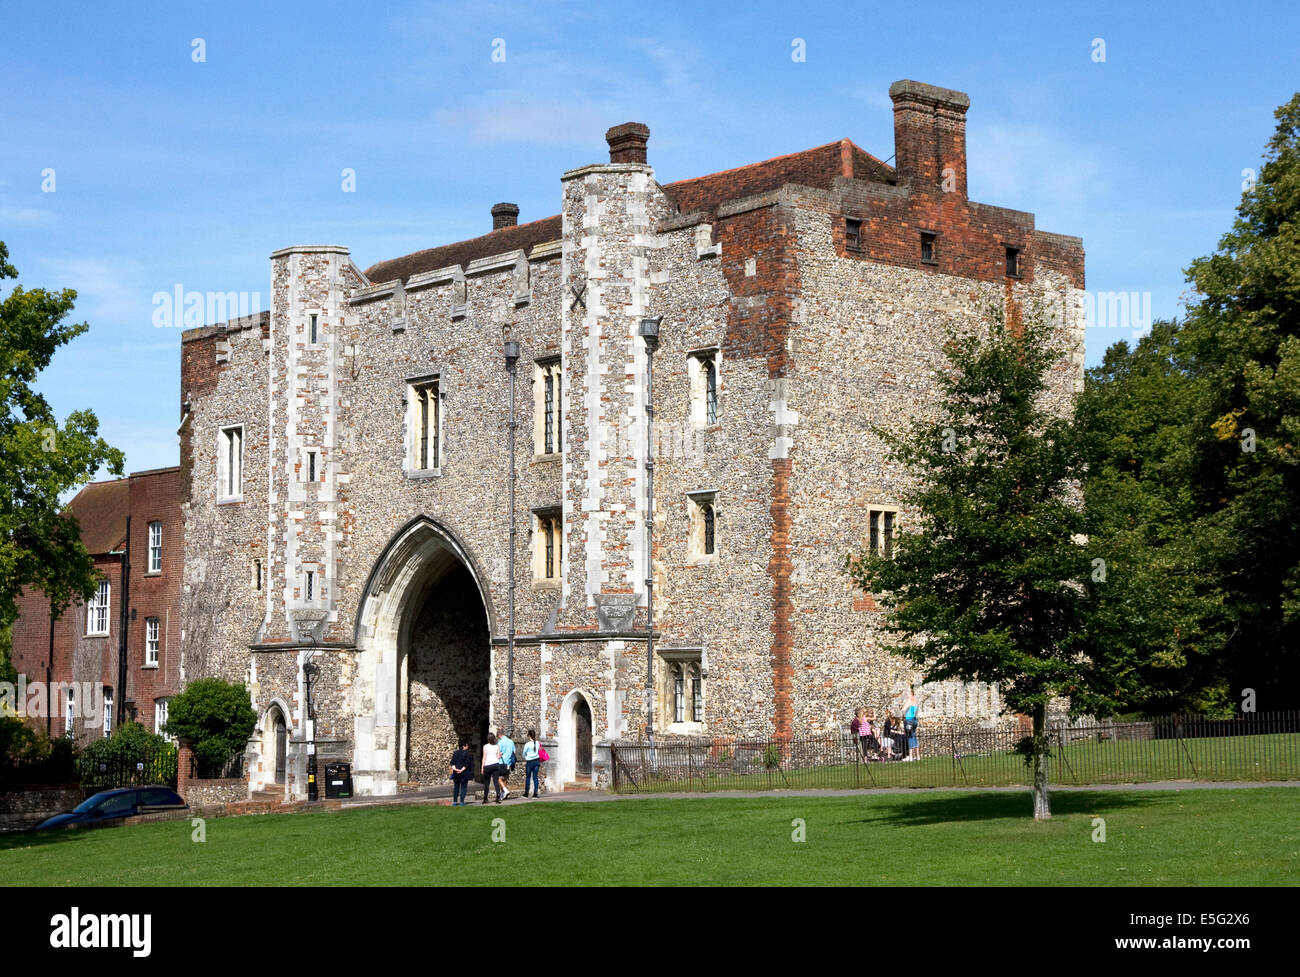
<point>215,716</point>
<point>989,583</point>
<point>1160,596</point>
<point>39,457</point>
<point>1242,343</point>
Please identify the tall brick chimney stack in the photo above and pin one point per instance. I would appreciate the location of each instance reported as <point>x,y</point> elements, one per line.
<point>627,142</point>
<point>930,136</point>
<point>504,215</point>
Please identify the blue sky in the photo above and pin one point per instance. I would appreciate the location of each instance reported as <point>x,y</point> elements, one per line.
<point>169,171</point>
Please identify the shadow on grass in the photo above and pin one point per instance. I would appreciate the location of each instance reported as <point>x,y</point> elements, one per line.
<point>30,838</point>
<point>1002,804</point>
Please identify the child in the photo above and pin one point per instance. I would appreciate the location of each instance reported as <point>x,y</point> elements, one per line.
<point>861,730</point>
<point>888,741</point>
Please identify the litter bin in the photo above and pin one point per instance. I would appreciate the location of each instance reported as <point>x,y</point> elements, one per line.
<point>338,780</point>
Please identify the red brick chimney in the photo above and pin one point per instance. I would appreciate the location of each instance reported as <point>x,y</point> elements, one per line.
<point>504,215</point>
<point>930,136</point>
<point>627,142</point>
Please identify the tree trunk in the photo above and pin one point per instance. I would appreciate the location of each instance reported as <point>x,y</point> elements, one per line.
<point>1042,803</point>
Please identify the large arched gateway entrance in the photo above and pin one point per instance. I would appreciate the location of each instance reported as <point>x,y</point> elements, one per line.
<point>424,660</point>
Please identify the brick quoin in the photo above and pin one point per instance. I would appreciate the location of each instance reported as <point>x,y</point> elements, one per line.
<point>758,324</point>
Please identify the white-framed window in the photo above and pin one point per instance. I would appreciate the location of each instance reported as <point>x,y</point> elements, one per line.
<point>311,466</point>
<point>882,525</point>
<point>160,717</point>
<point>547,433</point>
<point>548,536</point>
<point>313,329</point>
<point>108,712</point>
<point>230,462</point>
<point>97,610</point>
<point>703,540</point>
<point>151,641</point>
<point>309,585</point>
<point>70,709</point>
<point>155,547</point>
<point>424,397</point>
<point>702,371</point>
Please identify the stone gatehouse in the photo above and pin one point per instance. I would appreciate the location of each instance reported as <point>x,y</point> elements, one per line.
<point>347,470</point>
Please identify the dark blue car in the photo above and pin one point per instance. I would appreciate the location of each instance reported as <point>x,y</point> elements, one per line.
<point>112,805</point>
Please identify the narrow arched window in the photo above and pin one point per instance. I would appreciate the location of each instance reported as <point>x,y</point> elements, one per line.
<point>679,695</point>
<point>710,392</point>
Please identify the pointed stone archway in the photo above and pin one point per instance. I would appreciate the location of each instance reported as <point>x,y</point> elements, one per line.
<point>424,664</point>
<point>575,740</point>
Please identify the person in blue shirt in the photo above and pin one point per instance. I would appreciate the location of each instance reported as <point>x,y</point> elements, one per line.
<point>909,723</point>
<point>507,747</point>
<point>532,764</point>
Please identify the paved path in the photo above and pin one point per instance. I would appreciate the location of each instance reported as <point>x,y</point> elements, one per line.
<point>440,794</point>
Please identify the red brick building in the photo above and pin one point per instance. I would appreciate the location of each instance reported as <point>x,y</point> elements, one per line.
<point>73,670</point>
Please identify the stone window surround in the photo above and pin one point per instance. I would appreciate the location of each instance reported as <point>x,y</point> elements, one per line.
<point>872,510</point>
<point>223,474</point>
<point>411,424</point>
<point>538,539</point>
<point>696,501</point>
<point>542,366</point>
<point>695,360</point>
<point>306,327</point>
<point>668,659</point>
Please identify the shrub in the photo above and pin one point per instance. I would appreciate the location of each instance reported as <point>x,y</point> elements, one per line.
<point>215,716</point>
<point>109,761</point>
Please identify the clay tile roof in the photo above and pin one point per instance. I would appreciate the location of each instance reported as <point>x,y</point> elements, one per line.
<point>101,509</point>
<point>521,236</point>
<point>816,167</point>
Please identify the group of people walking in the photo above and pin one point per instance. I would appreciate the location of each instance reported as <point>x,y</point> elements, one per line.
<point>892,739</point>
<point>500,756</point>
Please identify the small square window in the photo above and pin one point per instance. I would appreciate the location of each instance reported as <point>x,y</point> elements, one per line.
<point>927,248</point>
<point>883,523</point>
<point>853,234</point>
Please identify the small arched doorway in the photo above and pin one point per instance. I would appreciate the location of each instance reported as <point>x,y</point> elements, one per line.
<point>582,739</point>
<point>274,747</point>
<point>575,744</point>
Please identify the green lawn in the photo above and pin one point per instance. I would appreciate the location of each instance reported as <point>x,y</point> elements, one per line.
<point>1231,837</point>
<point>1266,757</point>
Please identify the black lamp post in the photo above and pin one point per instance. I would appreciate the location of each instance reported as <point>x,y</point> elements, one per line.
<point>511,349</point>
<point>650,335</point>
<point>310,672</point>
